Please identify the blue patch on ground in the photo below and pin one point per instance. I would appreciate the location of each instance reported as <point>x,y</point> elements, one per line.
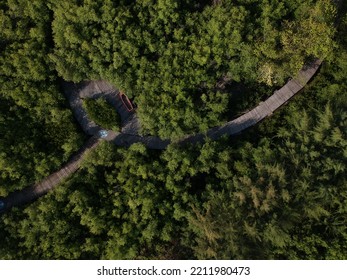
<point>103,133</point>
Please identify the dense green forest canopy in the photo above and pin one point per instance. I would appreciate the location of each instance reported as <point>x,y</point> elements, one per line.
<point>173,56</point>
<point>278,191</point>
<point>37,131</point>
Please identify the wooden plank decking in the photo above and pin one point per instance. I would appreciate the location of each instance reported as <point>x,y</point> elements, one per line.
<point>263,110</point>
<point>33,192</point>
<point>270,105</point>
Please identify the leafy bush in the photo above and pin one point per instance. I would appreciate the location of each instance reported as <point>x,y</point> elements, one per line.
<point>103,113</point>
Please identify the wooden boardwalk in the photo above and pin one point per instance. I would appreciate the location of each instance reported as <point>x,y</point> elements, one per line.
<point>264,109</point>
<point>257,114</point>
<point>31,193</point>
<point>129,134</point>
<point>75,93</point>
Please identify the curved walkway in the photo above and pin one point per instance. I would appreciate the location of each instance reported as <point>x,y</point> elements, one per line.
<point>130,127</point>
<point>130,131</point>
<point>75,93</point>
<point>264,109</point>
<point>31,193</point>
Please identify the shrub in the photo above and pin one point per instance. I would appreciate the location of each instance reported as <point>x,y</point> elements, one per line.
<point>103,113</point>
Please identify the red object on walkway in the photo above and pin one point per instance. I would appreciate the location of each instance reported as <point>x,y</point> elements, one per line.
<point>126,102</point>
